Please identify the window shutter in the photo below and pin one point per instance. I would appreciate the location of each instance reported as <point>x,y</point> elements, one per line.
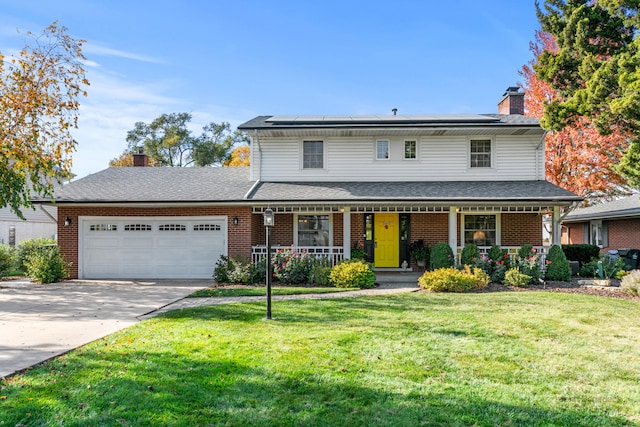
<point>605,234</point>
<point>586,234</point>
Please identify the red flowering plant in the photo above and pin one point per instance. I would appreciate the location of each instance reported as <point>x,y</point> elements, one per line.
<point>358,252</point>
<point>528,262</point>
<point>292,266</point>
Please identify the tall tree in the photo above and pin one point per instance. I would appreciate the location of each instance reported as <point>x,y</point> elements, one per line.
<point>240,156</point>
<point>595,70</point>
<point>579,159</point>
<point>168,142</point>
<point>39,91</point>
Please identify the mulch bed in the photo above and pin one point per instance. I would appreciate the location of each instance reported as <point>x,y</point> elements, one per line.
<point>572,287</point>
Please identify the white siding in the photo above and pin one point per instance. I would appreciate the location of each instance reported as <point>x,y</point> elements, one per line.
<point>443,158</point>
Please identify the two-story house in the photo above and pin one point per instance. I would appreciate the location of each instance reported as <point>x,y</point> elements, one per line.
<point>334,182</point>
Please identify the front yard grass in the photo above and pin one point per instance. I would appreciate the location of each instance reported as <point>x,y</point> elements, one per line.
<point>511,359</point>
<point>251,291</point>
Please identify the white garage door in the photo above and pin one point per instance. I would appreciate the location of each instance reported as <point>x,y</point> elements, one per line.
<point>150,247</point>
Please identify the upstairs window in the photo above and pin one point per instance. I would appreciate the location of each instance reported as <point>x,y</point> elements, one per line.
<point>382,150</point>
<point>312,154</point>
<point>410,148</point>
<point>480,153</point>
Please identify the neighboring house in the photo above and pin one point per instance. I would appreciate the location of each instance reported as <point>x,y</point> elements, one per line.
<point>41,222</point>
<point>334,182</point>
<point>611,225</point>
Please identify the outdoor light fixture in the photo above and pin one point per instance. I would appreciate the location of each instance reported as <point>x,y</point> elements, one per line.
<point>236,220</point>
<point>268,223</point>
<point>67,221</point>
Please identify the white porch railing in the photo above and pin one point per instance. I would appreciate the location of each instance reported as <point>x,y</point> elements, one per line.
<point>542,252</point>
<point>333,254</point>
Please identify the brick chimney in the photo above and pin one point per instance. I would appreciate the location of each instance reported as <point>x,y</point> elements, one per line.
<point>512,102</point>
<point>140,159</point>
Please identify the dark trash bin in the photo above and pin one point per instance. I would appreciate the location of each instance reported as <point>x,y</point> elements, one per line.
<point>630,257</point>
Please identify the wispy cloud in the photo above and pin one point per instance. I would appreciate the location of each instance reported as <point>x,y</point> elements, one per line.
<point>94,49</point>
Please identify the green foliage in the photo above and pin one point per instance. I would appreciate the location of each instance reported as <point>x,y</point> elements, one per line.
<point>28,247</point>
<point>292,266</point>
<point>6,259</point>
<point>526,251</point>
<point>631,283</point>
<point>583,253</point>
<point>229,270</point>
<point>500,262</point>
<point>441,256</point>
<point>352,274</point>
<point>529,265</point>
<point>320,275</point>
<point>558,267</point>
<point>47,265</point>
<point>604,267</point>
<point>449,279</point>
<point>514,277</point>
<point>169,142</point>
<point>595,70</point>
<point>470,255</point>
<point>418,251</point>
<point>358,252</point>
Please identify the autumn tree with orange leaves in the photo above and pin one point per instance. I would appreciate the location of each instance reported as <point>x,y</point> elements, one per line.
<point>39,91</point>
<point>578,158</point>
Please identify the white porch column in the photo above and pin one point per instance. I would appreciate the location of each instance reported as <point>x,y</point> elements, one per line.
<point>453,228</point>
<point>346,231</point>
<point>556,230</point>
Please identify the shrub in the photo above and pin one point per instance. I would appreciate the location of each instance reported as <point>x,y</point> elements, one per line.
<point>528,263</point>
<point>258,272</point>
<point>631,283</point>
<point>221,270</point>
<point>449,279</point>
<point>320,275</point>
<point>352,274</point>
<point>558,267</point>
<point>6,259</point>
<point>470,255</point>
<point>441,256</point>
<point>514,277</point>
<point>27,247</point>
<point>583,253</point>
<point>609,267</point>
<point>47,265</point>
<point>419,252</point>
<point>292,266</point>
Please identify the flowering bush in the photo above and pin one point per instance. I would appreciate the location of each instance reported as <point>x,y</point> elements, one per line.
<point>292,266</point>
<point>229,270</point>
<point>528,263</point>
<point>352,274</point>
<point>358,252</point>
<point>449,279</point>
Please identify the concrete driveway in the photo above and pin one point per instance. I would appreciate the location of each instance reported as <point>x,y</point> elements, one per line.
<point>38,322</point>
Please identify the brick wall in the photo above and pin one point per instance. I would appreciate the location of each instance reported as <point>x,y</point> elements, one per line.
<point>624,233</point>
<point>240,235</point>
<point>521,228</point>
<point>430,227</point>
<point>573,234</point>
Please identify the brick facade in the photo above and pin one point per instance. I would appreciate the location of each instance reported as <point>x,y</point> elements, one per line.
<point>517,229</point>
<point>622,233</point>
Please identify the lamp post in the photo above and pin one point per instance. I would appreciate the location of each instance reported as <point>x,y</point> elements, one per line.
<point>268,223</point>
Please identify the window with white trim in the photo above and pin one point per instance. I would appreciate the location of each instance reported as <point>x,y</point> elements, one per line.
<point>480,153</point>
<point>172,227</point>
<point>382,150</point>
<point>481,230</point>
<point>103,227</point>
<point>597,234</point>
<point>312,154</point>
<point>137,227</point>
<point>313,230</point>
<point>410,149</point>
<point>206,227</point>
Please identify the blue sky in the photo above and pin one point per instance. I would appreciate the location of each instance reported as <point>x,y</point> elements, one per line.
<point>234,60</point>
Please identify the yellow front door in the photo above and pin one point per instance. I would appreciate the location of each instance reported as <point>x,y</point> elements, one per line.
<point>386,240</point>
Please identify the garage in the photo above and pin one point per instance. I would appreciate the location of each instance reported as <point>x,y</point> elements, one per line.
<point>150,247</point>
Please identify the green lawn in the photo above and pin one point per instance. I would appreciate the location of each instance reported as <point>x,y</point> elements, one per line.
<point>507,359</point>
<point>252,291</point>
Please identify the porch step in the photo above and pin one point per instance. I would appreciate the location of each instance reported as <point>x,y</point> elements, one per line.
<point>396,276</point>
